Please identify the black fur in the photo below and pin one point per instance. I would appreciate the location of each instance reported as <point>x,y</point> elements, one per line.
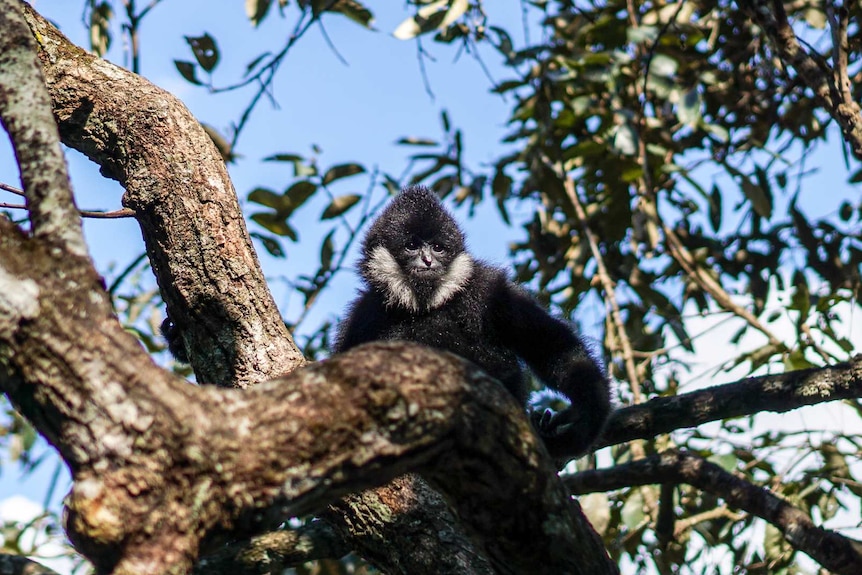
<point>422,286</point>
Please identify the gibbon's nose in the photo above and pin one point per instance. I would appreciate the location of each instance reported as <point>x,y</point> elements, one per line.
<point>427,258</point>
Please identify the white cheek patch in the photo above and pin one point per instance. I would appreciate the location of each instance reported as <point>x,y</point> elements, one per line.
<point>383,270</point>
<point>454,281</point>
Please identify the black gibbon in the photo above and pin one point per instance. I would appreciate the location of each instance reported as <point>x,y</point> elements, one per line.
<point>423,286</point>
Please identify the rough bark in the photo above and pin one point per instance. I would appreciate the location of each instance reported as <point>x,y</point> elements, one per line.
<point>778,393</point>
<point>157,463</point>
<point>185,203</point>
<point>27,118</point>
<point>274,552</point>
<point>407,509</point>
<point>17,565</point>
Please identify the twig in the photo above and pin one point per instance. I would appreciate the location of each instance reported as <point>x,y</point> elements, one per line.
<point>122,213</point>
<point>721,512</point>
<point>831,549</point>
<point>709,284</point>
<point>771,16</point>
<point>10,189</point>
<point>607,284</point>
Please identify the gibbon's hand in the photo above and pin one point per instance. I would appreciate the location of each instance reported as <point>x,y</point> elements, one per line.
<point>565,433</point>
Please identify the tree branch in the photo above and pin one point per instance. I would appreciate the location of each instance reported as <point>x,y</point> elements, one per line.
<point>183,199</point>
<point>829,548</point>
<point>778,393</point>
<point>19,565</point>
<point>25,112</point>
<point>195,237</point>
<point>813,69</point>
<point>124,213</point>
<point>274,552</point>
<point>415,513</point>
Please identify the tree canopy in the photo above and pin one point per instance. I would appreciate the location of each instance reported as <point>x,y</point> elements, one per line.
<point>677,177</point>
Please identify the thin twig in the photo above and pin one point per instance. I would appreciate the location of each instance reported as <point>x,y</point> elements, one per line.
<point>607,286</point>
<point>11,190</point>
<point>123,213</point>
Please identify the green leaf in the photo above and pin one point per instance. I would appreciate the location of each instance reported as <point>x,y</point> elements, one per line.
<point>427,18</point>
<point>778,552</point>
<point>270,244</point>
<point>715,208</point>
<point>689,108</point>
<point>504,43</point>
<point>456,10</point>
<point>327,250</point>
<point>267,198</point>
<point>796,360</point>
<point>275,224</point>
<point>391,184</point>
<point>408,29</point>
<point>760,200</point>
<point>299,192</point>
<point>283,158</point>
<point>100,30</point>
<point>663,66</point>
<point>414,141</point>
<point>355,11</point>
<point>188,71</point>
<point>815,17</point>
<point>632,513</point>
<point>717,130</point>
<point>342,171</point>
<point>256,10</point>
<point>727,461</point>
<point>642,34</point>
<point>845,212</point>
<point>625,140</point>
<point>205,50</point>
<point>339,206</point>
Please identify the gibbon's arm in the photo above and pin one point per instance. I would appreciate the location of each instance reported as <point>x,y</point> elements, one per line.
<point>561,360</point>
<point>362,324</point>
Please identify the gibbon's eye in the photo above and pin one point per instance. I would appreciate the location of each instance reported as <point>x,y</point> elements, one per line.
<point>413,244</point>
<point>438,248</point>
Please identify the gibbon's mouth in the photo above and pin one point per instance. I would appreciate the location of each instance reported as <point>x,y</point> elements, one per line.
<point>425,271</point>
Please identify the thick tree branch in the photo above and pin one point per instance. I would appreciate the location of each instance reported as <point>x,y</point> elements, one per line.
<point>158,463</point>
<point>830,87</point>
<point>183,199</point>
<point>832,550</point>
<point>407,509</point>
<point>275,552</point>
<point>18,565</point>
<point>25,112</point>
<point>777,393</point>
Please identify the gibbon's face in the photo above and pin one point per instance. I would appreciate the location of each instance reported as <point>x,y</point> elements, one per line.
<point>424,259</point>
<point>414,253</point>
<point>418,273</point>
